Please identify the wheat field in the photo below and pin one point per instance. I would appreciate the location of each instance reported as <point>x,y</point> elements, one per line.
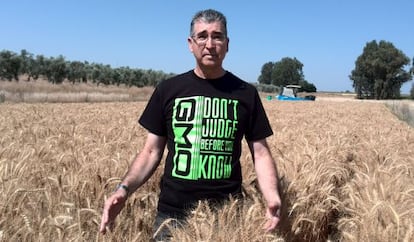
<point>346,168</point>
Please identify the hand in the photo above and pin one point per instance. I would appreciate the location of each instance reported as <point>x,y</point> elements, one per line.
<point>113,206</point>
<point>273,217</point>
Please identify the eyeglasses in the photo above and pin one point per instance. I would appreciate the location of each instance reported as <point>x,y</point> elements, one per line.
<point>201,40</point>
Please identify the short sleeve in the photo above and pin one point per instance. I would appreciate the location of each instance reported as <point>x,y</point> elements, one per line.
<point>259,126</point>
<point>153,118</point>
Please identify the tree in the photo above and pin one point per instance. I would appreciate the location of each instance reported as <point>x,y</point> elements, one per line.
<point>118,75</point>
<point>412,68</point>
<point>76,72</point>
<point>306,86</point>
<point>27,64</point>
<point>39,67</point>
<point>266,73</point>
<point>56,70</point>
<point>412,87</point>
<point>284,72</point>
<point>287,71</point>
<point>136,78</point>
<point>379,71</point>
<point>10,64</point>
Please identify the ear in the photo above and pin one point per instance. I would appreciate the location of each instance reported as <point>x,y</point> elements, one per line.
<point>190,44</point>
<point>227,45</point>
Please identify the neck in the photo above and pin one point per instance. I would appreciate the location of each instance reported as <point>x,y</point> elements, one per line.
<point>209,74</point>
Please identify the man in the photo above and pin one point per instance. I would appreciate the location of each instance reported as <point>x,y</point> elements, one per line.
<point>202,116</point>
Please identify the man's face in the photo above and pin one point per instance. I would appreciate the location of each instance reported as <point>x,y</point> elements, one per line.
<point>208,44</point>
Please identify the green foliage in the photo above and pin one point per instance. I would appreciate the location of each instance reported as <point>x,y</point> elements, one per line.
<point>77,72</point>
<point>287,71</point>
<point>10,65</point>
<point>57,69</point>
<point>27,63</point>
<point>412,87</point>
<point>284,72</point>
<point>412,68</point>
<point>266,73</point>
<point>306,86</point>
<point>379,71</point>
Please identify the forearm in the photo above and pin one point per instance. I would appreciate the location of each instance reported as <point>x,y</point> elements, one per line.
<point>145,163</point>
<point>268,182</point>
<point>266,171</point>
<point>141,170</point>
<point>267,177</point>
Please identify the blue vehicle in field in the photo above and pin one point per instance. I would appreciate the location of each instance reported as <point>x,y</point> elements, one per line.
<point>289,93</point>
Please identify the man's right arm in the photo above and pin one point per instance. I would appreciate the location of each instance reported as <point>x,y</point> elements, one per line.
<point>138,173</point>
<point>145,163</point>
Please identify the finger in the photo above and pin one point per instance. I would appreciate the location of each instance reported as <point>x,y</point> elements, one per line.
<point>273,218</point>
<point>102,228</point>
<point>104,222</point>
<point>271,224</point>
<point>105,219</point>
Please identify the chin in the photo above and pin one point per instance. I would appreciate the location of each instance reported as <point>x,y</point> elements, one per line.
<point>211,63</point>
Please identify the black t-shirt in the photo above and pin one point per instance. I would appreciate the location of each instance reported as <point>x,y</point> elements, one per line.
<point>204,121</point>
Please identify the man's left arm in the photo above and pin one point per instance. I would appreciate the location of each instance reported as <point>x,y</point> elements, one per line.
<point>268,179</point>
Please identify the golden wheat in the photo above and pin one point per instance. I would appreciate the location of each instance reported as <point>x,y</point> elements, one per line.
<point>346,175</point>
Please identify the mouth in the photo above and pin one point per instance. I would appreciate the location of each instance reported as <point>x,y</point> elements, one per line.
<point>208,55</point>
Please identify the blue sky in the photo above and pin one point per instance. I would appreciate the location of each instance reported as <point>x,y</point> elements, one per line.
<point>327,36</point>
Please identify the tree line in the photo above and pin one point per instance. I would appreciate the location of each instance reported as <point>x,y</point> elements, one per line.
<point>380,71</point>
<point>57,69</point>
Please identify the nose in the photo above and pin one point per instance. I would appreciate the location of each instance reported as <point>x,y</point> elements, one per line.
<point>210,43</point>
